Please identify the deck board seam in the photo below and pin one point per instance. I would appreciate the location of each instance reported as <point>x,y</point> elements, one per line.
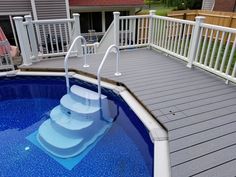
<point>182,110</point>
<point>234,144</point>
<point>171,84</point>
<point>199,121</point>
<point>188,95</point>
<point>180,73</point>
<point>195,100</point>
<point>179,88</point>
<point>201,87</point>
<point>213,167</point>
<point>188,147</point>
<point>172,140</point>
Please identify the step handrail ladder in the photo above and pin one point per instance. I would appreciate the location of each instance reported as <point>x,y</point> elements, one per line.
<point>67,57</point>
<point>117,73</point>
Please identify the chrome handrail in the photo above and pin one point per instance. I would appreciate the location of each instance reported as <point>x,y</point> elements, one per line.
<point>67,56</point>
<point>117,73</point>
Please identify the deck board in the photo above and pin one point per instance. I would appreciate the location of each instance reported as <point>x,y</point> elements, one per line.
<point>199,150</point>
<point>217,171</point>
<point>204,136</point>
<point>196,107</point>
<point>206,162</point>
<point>198,118</point>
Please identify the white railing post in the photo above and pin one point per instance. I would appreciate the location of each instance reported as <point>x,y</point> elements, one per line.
<point>150,30</point>
<point>24,40</point>
<point>96,46</point>
<point>32,38</point>
<point>76,33</point>
<point>116,28</point>
<point>194,41</point>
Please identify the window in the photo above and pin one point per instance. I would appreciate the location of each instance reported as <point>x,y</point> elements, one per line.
<point>91,21</point>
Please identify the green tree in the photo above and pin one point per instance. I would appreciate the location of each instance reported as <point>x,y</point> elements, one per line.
<point>148,2</point>
<point>183,4</point>
<point>170,2</point>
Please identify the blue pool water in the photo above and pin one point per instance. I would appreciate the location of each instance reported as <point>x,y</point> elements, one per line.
<point>25,102</point>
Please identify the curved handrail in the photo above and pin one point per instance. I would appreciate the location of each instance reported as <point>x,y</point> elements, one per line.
<point>67,56</point>
<point>117,73</point>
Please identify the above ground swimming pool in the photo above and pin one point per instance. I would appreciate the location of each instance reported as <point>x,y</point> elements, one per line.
<point>25,102</point>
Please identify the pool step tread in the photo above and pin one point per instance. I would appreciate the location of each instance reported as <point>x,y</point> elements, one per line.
<point>66,121</point>
<point>85,93</point>
<point>64,146</point>
<point>69,102</point>
<point>55,138</point>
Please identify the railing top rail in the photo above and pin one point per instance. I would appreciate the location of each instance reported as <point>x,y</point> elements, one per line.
<point>219,28</point>
<point>89,45</point>
<point>134,16</point>
<point>95,33</point>
<point>174,20</point>
<point>52,21</point>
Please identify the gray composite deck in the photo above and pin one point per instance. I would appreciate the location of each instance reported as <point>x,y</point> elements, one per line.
<point>196,107</point>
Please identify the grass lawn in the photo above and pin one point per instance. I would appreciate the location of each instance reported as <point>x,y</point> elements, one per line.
<point>161,9</point>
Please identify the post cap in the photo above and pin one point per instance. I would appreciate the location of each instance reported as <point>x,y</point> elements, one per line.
<point>76,14</point>
<point>18,18</point>
<point>152,12</point>
<point>200,18</point>
<point>28,16</point>
<point>116,13</point>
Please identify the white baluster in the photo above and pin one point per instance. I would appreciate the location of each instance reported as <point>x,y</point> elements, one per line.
<point>219,51</point>
<point>214,49</point>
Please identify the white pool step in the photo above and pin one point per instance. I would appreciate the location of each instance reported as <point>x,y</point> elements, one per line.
<point>87,97</point>
<point>66,121</point>
<point>56,143</point>
<point>55,138</point>
<point>85,93</point>
<point>75,124</point>
<point>73,106</point>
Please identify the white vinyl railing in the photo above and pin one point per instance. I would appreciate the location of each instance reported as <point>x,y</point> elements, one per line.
<point>207,46</point>
<point>216,50</point>
<point>92,48</point>
<point>172,36</point>
<point>134,31</point>
<point>46,38</point>
<point>53,36</point>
